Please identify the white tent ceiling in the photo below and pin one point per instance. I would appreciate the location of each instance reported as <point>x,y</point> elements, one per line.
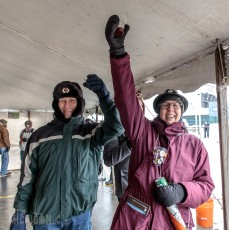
<point>45,42</point>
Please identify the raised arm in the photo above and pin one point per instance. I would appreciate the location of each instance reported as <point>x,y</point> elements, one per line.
<point>131,114</point>
<point>111,126</point>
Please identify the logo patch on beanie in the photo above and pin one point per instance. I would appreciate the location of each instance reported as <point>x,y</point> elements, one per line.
<point>170,91</point>
<point>65,90</point>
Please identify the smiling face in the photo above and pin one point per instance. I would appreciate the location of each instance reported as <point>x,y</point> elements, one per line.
<point>67,106</point>
<point>170,111</point>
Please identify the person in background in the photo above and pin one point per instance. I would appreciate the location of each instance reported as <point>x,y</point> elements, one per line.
<point>24,136</point>
<point>4,148</point>
<point>206,129</point>
<point>161,148</point>
<point>59,175</point>
<point>110,181</point>
<point>117,154</point>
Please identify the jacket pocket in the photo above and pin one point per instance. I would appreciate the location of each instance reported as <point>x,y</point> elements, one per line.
<point>85,194</point>
<point>129,218</point>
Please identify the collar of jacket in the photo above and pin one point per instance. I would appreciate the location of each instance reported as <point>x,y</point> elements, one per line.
<point>176,129</point>
<point>73,120</point>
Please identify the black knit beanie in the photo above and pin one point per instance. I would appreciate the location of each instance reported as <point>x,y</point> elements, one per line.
<point>170,94</point>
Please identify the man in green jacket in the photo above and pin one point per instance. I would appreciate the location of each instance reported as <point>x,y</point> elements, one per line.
<point>59,174</point>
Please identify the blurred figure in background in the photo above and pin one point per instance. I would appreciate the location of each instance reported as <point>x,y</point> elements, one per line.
<point>24,136</point>
<point>206,129</point>
<point>110,181</point>
<point>4,147</point>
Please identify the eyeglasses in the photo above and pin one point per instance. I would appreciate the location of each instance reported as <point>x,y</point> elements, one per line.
<point>168,105</point>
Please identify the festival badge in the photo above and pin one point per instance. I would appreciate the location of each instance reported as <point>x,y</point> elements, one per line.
<point>159,155</point>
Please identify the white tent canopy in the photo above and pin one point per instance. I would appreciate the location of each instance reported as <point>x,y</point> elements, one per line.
<point>45,42</point>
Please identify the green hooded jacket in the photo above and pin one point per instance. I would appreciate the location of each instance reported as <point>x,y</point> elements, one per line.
<point>59,174</point>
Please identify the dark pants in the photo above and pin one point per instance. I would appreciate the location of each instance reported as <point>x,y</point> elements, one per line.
<point>206,132</point>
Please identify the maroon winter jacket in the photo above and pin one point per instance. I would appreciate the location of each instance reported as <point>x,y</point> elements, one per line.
<point>187,161</point>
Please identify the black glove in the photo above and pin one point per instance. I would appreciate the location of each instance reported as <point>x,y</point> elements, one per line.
<point>96,84</point>
<point>171,194</point>
<point>115,42</point>
<point>18,221</point>
<point>7,148</point>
